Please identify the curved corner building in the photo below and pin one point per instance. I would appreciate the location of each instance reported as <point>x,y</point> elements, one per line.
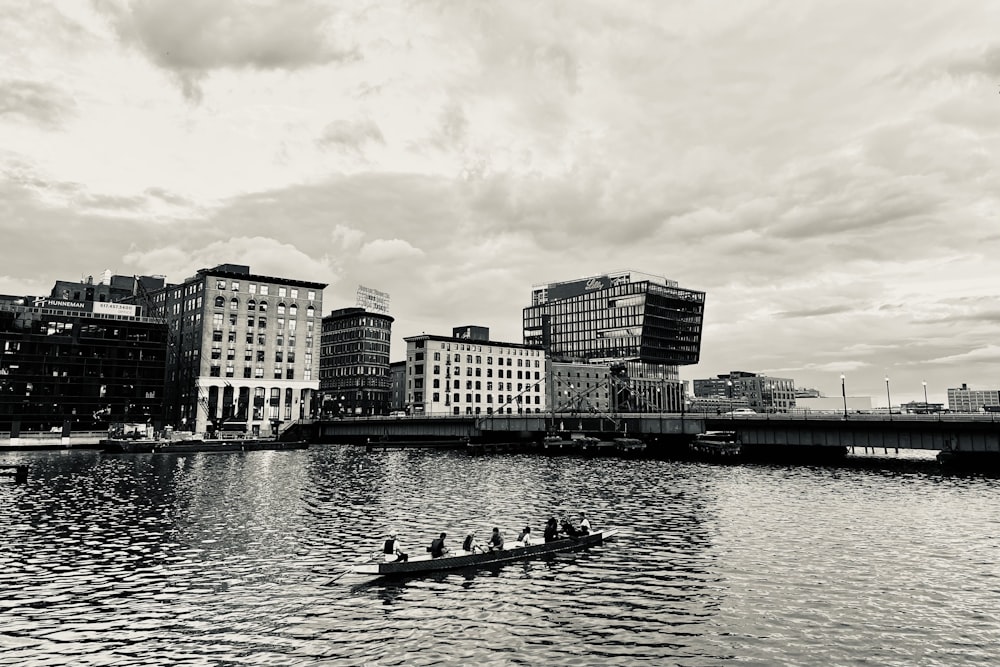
<point>642,326</point>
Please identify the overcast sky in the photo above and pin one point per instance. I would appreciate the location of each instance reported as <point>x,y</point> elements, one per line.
<point>825,171</point>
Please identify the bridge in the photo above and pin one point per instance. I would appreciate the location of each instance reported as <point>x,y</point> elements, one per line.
<point>972,434</point>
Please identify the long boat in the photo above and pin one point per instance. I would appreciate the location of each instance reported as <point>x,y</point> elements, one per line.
<point>158,446</point>
<point>461,559</point>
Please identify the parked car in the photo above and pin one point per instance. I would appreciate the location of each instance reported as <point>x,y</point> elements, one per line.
<point>397,413</point>
<point>741,411</point>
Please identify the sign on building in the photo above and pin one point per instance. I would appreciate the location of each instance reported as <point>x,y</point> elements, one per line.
<point>372,299</point>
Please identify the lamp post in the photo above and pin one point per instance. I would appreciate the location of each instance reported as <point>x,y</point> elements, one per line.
<point>843,392</point>
<point>926,408</point>
<point>888,398</point>
<point>729,390</point>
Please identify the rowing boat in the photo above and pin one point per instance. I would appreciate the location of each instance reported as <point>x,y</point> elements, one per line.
<point>460,559</point>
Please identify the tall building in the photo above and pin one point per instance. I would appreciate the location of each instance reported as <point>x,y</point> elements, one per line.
<point>964,399</point>
<point>761,393</point>
<point>642,326</point>
<point>472,375</point>
<point>86,363</point>
<point>243,349</point>
<point>354,363</point>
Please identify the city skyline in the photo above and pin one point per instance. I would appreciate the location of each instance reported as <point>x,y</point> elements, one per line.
<point>824,173</point>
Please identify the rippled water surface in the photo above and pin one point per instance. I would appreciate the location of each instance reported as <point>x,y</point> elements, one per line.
<point>235,559</point>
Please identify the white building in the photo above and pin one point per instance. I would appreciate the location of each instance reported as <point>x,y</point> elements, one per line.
<point>458,375</point>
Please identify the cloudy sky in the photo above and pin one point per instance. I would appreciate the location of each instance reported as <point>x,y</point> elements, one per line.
<point>825,171</point>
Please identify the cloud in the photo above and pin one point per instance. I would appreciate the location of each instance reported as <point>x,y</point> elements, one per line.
<point>384,251</point>
<point>350,136</point>
<point>987,354</point>
<point>191,38</point>
<point>34,102</point>
<point>265,256</point>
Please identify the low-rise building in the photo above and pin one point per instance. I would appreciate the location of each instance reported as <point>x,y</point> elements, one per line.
<point>762,393</point>
<point>85,364</point>
<point>462,375</point>
<point>963,399</point>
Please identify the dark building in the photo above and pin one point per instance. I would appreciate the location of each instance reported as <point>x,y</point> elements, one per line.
<point>354,363</point>
<point>78,362</point>
<point>642,326</point>
<point>109,289</point>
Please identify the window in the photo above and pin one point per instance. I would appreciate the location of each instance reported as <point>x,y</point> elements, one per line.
<point>252,304</point>
<point>263,305</point>
<point>312,297</point>
<point>263,290</point>
<point>293,310</point>
<point>310,311</point>
<point>295,292</point>
<point>253,288</point>
<point>220,302</point>
<point>281,308</point>
<point>220,284</point>
<point>234,304</point>
<point>281,292</point>
<point>236,286</point>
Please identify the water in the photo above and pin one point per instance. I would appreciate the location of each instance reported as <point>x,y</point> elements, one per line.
<point>235,559</point>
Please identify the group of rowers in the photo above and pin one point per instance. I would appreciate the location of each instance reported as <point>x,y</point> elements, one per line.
<point>554,530</point>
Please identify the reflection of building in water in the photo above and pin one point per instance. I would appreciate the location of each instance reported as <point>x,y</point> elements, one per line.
<point>469,374</point>
<point>85,362</point>
<point>642,327</point>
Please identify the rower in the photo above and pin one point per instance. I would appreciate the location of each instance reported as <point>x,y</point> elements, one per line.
<point>437,547</point>
<point>391,551</point>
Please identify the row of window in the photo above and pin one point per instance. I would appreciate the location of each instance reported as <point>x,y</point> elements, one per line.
<point>287,373</point>
<point>263,290</point>
<point>252,304</point>
<point>477,398</point>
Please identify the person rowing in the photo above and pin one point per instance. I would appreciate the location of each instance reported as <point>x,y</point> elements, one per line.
<point>470,544</point>
<point>496,541</point>
<point>438,548</point>
<point>391,551</point>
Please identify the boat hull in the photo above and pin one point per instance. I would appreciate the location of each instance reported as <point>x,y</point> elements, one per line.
<point>125,446</point>
<point>420,564</point>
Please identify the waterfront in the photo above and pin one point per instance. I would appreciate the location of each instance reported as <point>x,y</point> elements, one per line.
<point>232,559</point>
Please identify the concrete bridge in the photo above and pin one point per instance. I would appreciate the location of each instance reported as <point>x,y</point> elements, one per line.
<point>977,434</point>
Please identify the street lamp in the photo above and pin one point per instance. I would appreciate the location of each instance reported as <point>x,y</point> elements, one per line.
<point>843,392</point>
<point>887,397</point>
<point>926,408</point>
<point>729,390</point>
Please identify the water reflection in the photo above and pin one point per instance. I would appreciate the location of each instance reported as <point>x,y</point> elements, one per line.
<point>231,559</point>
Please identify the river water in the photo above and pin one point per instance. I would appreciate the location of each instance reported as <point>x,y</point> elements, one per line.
<point>237,559</point>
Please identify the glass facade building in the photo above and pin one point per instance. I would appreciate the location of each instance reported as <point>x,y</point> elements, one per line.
<point>642,326</point>
<point>354,363</point>
<point>87,364</point>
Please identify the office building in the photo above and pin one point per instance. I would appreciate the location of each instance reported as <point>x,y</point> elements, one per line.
<point>760,393</point>
<point>643,327</point>
<point>354,375</point>
<point>462,375</point>
<point>79,363</point>
<point>244,349</point>
<point>964,399</point>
